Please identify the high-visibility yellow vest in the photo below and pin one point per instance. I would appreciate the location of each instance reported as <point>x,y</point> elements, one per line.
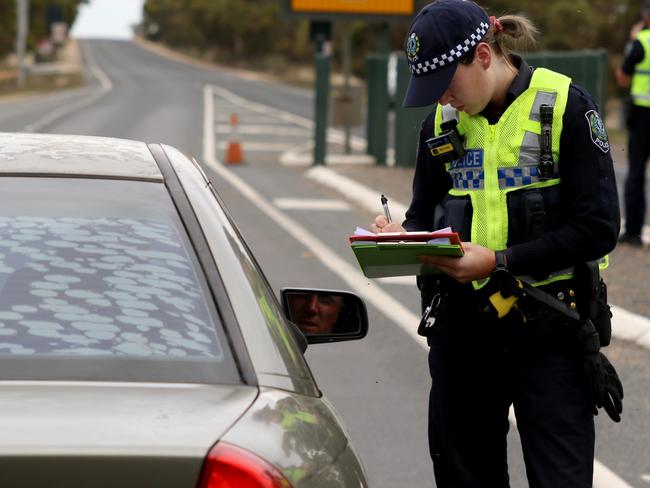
<point>640,88</point>
<point>503,158</point>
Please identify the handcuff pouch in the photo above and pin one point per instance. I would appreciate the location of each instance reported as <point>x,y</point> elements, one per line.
<point>455,212</point>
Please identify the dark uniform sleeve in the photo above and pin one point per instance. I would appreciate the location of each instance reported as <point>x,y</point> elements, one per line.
<point>589,198</point>
<point>431,182</point>
<point>633,55</point>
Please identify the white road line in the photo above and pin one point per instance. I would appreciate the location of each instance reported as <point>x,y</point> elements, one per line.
<point>247,117</point>
<point>625,325</point>
<point>256,129</point>
<point>293,158</point>
<point>256,146</point>
<point>371,293</point>
<point>362,195</point>
<point>398,280</point>
<point>64,110</point>
<point>310,204</point>
<point>333,135</point>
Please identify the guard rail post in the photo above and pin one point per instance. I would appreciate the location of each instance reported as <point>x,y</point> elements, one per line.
<point>322,107</point>
<point>378,107</point>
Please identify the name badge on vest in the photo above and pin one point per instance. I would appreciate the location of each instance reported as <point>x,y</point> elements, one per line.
<point>473,159</point>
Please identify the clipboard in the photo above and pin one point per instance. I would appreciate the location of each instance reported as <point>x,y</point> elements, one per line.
<point>395,254</point>
<point>421,237</point>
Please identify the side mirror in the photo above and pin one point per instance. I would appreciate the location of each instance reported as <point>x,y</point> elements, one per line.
<point>326,315</point>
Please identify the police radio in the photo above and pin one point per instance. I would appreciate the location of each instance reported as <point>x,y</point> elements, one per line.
<point>546,165</point>
<point>448,146</point>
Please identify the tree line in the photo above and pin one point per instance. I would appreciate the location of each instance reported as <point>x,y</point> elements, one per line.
<point>41,14</point>
<point>250,31</point>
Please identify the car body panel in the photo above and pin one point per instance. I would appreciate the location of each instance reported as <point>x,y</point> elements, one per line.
<point>273,350</point>
<point>76,155</point>
<point>103,418</point>
<point>113,434</point>
<point>314,450</point>
<point>153,432</point>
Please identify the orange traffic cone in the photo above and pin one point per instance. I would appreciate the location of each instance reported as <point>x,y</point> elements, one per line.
<point>234,153</point>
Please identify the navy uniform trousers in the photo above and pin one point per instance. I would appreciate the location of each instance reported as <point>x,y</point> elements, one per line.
<point>479,367</point>
<point>638,154</point>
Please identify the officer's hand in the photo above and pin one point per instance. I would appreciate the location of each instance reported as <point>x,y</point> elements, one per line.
<point>478,262</point>
<point>635,29</point>
<point>604,385</point>
<point>381,225</point>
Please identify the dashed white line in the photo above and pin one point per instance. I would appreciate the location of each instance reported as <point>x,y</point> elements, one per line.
<point>310,204</point>
<point>256,146</point>
<point>62,111</point>
<point>257,129</point>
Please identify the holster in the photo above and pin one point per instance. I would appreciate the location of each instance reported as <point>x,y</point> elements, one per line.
<point>592,300</point>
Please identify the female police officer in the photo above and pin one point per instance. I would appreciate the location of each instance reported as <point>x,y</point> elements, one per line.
<point>535,205</point>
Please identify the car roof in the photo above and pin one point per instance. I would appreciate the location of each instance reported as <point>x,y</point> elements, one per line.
<point>68,155</point>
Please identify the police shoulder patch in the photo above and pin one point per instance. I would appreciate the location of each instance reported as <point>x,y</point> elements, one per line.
<point>597,131</point>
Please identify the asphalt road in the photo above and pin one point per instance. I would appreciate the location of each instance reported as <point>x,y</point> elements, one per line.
<point>378,385</point>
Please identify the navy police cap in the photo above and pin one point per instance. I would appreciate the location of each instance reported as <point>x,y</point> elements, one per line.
<point>439,36</point>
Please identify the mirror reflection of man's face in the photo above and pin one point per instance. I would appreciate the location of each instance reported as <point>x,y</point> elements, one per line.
<point>315,314</point>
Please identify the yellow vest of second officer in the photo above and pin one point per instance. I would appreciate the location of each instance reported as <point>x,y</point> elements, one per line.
<point>640,88</point>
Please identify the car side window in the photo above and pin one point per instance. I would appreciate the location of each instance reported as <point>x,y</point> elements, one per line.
<point>100,268</point>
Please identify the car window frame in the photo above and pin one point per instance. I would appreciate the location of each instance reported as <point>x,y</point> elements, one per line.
<point>208,265</point>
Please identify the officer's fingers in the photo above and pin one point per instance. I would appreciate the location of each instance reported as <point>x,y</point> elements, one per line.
<point>612,410</point>
<point>616,399</point>
<point>619,386</point>
<point>443,263</point>
<point>381,221</point>
<point>615,381</point>
<point>393,227</point>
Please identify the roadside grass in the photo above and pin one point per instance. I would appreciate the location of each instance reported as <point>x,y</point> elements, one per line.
<point>37,84</point>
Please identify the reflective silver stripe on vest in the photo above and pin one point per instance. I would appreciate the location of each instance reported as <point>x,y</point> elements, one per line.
<point>529,151</point>
<point>566,273</point>
<point>550,277</point>
<point>510,177</point>
<point>449,113</point>
<point>542,98</point>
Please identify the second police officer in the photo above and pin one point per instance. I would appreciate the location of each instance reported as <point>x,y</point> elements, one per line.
<point>531,190</point>
<point>635,74</point>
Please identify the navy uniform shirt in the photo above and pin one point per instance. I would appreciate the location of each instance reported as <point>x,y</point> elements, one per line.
<point>633,55</point>
<point>588,189</point>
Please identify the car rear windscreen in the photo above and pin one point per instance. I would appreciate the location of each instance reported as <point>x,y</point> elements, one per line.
<point>99,280</point>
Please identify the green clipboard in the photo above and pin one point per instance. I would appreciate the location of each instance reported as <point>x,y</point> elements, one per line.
<point>382,259</point>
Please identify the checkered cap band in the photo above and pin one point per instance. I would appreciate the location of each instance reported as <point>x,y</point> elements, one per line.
<point>454,53</point>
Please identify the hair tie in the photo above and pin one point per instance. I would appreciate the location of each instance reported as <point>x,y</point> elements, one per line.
<point>496,25</point>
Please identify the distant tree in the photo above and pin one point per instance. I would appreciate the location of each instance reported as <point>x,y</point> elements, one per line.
<point>249,31</point>
<point>41,12</point>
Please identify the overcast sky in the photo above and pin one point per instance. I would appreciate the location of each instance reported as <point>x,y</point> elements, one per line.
<point>107,18</point>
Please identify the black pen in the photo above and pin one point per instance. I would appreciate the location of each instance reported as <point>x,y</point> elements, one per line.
<point>384,203</point>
